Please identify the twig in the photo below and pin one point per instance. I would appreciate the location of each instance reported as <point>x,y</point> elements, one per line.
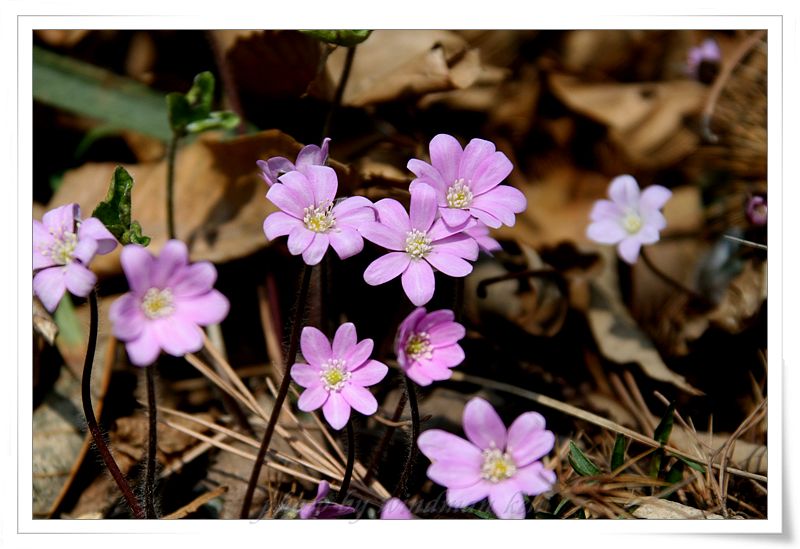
<point>745,242</point>
<point>337,98</point>
<point>152,443</point>
<point>196,504</point>
<point>351,460</point>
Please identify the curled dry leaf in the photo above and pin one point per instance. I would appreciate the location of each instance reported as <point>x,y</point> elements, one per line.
<point>662,509</point>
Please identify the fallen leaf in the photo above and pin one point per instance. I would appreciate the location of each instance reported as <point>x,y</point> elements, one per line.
<point>662,509</point>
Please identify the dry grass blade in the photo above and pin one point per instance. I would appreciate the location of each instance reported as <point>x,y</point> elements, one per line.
<point>193,506</point>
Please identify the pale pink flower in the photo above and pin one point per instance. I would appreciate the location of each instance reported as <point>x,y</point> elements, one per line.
<point>310,155</point>
<point>427,345</point>
<point>756,210</point>
<point>322,509</point>
<point>169,300</point>
<point>395,509</point>
<point>418,243</point>
<point>311,216</point>
<point>467,182</point>
<point>336,377</point>
<point>630,219</point>
<point>63,247</point>
<point>707,52</point>
<point>496,463</point>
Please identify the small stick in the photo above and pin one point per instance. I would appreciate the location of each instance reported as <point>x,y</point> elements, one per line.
<point>152,443</point>
<point>351,460</point>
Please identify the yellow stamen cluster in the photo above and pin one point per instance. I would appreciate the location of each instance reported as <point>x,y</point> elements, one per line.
<point>497,465</point>
<point>157,303</point>
<point>459,194</point>
<point>418,244</point>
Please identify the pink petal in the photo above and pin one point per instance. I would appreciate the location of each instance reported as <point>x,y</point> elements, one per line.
<point>383,235</point>
<point>360,399</point>
<point>476,151</point>
<point>446,333</point>
<point>418,375</point>
<point>323,183</point>
<point>315,346</point>
<point>305,375</point>
<point>316,249</point>
<point>62,219</point>
<point>495,205</point>
<point>287,200</point>
<point>299,239</point>
<point>441,191</point>
<point>85,250</point>
<point>441,230</point>
<point>449,264</point>
<point>438,445</point>
<point>395,509</point>
<point>195,279</point>
<point>605,209</point>
<point>460,245</point>
<point>418,282</point>
<point>298,184</point>
<point>346,241</point>
<point>528,440</point>
<point>467,495</point>
<point>336,411</point>
<point>137,263</point>
<point>143,350</point>
<point>177,335</point>
<point>427,174</point>
<point>449,356</point>
<point>510,198</point>
<point>369,374</point>
<point>454,217</point>
<point>648,235</point>
<point>654,197</point>
<point>454,473</point>
<point>423,207</point>
<point>624,191</point>
<point>173,257</point>
<point>50,286</point>
<point>313,155</point>
<point>357,355</point>
<point>392,214</point>
<point>485,217</point>
<point>42,241</point>
<point>78,279</point>
<point>506,500</point>
<point>607,231</point>
<point>386,267</point>
<point>209,308</point>
<point>628,249</point>
<point>446,156</point>
<point>434,369</point>
<point>534,479</point>
<point>344,339</point>
<point>434,318</point>
<point>313,397</point>
<point>127,319</point>
<point>654,219</point>
<point>279,224</point>
<point>353,211</point>
<point>483,426</point>
<point>490,173</point>
<point>93,228</point>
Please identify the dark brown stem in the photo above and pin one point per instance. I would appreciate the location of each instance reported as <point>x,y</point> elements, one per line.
<point>294,343</point>
<point>530,273</point>
<point>152,444</point>
<point>671,281</point>
<point>91,420</point>
<point>172,149</point>
<point>337,99</point>
<point>374,462</point>
<point>400,490</point>
<point>351,460</point>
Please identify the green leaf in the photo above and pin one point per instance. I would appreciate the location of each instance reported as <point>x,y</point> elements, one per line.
<point>655,463</point>
<point>179,112</point>
<point>346,38</point>
<point>560,506</point>
<point>480,514</point>
<point>217,120</point>
<point>115,210</point>
<point>191,113</point>
<point>675,473</point>
<point>201,94</point>
<point>582,464</point>
<point>69,327</point>
<point>96,93</point>
<point>692,464</point>
<point>664,428</point>
<point>618,455</point>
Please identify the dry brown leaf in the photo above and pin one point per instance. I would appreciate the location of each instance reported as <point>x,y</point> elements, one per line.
<point>392,64</point>
<point>662,509</point>
<point>61,37</point>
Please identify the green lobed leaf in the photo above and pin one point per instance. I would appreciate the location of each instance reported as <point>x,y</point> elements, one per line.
<point>618,454</point>
<point>347,38</point>
<point>115,211</point>
<point>664,428</point>
<point>217,120</point>
<point>582,464</point>
<point>191,113</point>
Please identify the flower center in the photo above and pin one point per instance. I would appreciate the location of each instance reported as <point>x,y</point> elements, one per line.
<point>632,223</point>
<point>497,465</point>
<point>459,195</point>
<point>418,244</point>
<point>419,345</point>
<point>157,303</point>
<point>319,218</point>
<point>62,249</point>
<point>334,375</point>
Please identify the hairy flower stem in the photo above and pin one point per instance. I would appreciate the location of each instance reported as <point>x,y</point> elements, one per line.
<point>671,281</point>
<point>171,150</point>
<point>375,461</point>
<point>152,444</point>
<point>294,342</point>
<point>91,420</point>
<point>337,99</point>
<point>401,489</point>
<point>351,460</point>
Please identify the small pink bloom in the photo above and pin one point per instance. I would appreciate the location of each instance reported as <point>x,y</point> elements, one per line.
<point>419,243</point>
<point>707,52</point>
<point>630,219</point>
<point>467,182</point>
<point>321,509</point>
<point>496,463</point>
<point>312,218</point>
<point>169,300</point>
<point>63,247</point>
<point>757,210</point>
<point>426,345</point>
<point>395,509</point>
<point>336,376</point>
<point>310,155</point>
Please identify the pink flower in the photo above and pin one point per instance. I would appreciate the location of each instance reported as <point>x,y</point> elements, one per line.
<point>395,509</point>
<point>312,219</point>
<point>320,509</point>
<point>629,219</point>
<point>467,182</point>
<point>63,247</point>
<point>335,377</point>
<point>707,52</point>
<point>757,210</point>
<point>496,463</point>
<point>426,345</point>
<point>310,155</point>
<point>169,300</point>
<point>418,244</point>
<point>479,232</point>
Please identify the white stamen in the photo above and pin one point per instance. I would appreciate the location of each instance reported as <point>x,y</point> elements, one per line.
<point>62,249</point>
<point>319,218</point>
<point>632,222</point>
<point>334,375</point>
<point>459,194</point>
<point>157,303</point>
<point>419,346</point>
<point>418,244</point>
<point>497,465</point>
